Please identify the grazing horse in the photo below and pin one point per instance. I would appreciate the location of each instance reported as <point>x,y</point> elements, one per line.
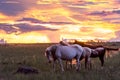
<point>99,52</point>
<point>50,53</point>
<point>86,54</point>
<point>64,53</point>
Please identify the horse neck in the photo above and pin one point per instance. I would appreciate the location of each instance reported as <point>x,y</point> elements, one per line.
<point>87,45</point>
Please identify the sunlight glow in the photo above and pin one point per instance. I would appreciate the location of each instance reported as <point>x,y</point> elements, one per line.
<point>56,19</point>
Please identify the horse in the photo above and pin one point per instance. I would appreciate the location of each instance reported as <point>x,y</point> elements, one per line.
<point>50,53</point>
<point>100,52</point>
<point>60,52</point>
<point>97,51</point>
<point>86,55</point>
<point>87,45</point>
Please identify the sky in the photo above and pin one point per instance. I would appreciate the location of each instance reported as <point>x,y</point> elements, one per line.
<point>44,21</point>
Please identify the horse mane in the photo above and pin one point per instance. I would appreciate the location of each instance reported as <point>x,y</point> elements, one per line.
<point>109,48</point>
<point>94,46</point>
<point>87,45</point>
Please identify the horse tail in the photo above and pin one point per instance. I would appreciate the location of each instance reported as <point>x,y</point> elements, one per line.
<point>108,49</point>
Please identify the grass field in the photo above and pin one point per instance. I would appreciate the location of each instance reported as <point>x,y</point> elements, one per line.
<point>32,55</point>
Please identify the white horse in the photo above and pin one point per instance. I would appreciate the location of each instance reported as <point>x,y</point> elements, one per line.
<point>86,54</point>
<point>60,52</point>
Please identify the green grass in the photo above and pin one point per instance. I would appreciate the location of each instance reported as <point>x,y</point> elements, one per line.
<point>14,55</point>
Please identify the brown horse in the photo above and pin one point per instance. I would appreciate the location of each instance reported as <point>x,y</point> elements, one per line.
<point>97,51</point>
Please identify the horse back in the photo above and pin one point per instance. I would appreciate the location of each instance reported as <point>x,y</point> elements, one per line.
<point>66,52</point>
<point>98,52</point>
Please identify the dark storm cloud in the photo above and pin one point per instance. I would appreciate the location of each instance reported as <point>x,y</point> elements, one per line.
<point>11,8</point>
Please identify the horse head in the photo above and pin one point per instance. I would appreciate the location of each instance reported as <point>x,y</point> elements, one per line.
<point>48,55</point>
<point>94,53</point>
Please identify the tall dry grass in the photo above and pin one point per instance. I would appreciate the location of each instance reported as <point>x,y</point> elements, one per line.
<point>32,55</point>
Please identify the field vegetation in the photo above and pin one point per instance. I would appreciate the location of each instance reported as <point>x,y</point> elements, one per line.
<point>13,56</point>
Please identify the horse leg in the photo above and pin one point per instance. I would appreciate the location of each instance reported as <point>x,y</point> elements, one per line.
<point>86,61</point>
<point>78,64</point>
<point>54,66</point>
<point>69,63</point>
<point>102,60</point>
<point>66,64</point>
<point>61,65</point>
<point>89,63</point>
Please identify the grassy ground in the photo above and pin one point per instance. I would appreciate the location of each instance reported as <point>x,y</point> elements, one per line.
<point>12,56</point>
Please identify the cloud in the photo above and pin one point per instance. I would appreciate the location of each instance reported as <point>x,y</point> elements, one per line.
<point>103,13</point>
<point>15,7</point>
<point>33,20</point>
<point>117,38</point>
<point>112,20</point>
<point>7,28</point>
<point>11,8</point>
<point>77,6</point>
<point>100,13</point>
<point>22,28</point>
<point>86,29</point>
<point>116,11</point>
<point>80,17</point>
<point>117,33</point>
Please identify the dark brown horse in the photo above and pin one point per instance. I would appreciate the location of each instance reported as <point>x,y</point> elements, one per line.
<point>97,51</point>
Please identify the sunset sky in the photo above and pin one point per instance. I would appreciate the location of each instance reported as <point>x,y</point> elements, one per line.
<point>42,21</point>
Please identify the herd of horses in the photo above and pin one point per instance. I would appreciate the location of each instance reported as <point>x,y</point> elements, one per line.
<point>77,51</point>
